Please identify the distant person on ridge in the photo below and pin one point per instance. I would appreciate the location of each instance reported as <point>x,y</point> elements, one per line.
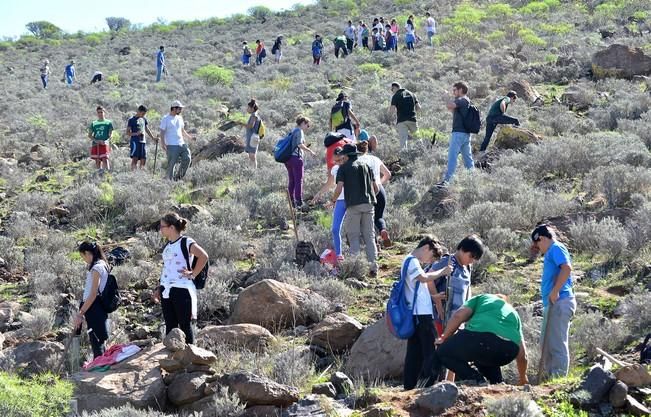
<point>70,74</point>
<point>172,131</point>
<point>342,118</point>
<point>97,76</point>
<point>276,49</point>
<point>391,40</point>
<point>378,40</point>
<point>45,73</point>
<point>160,63</point>
<point>260,52</point>
<point>349,32</point>
<point>497,116</point>
<point>410,37</point>
<point>100,132</point>
<point>404,106</point>
<point>431,28</point>
<point>137,126</point>
<point>365,33</point>
<point>340,45</point>
<point>317,49</point>
<point>246,54</point>
<point>360,32</point>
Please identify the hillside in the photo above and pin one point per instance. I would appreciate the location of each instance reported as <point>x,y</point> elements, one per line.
<point>580,161</point>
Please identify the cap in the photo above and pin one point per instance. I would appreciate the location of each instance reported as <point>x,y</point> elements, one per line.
<point>46,61</point>
<point>349,149</point>
<point>363,136</point>
<point>339,150</point>
<point>176,103</point>
<point>342,96</point>
<point>542,230</point>
<point>512,94</point>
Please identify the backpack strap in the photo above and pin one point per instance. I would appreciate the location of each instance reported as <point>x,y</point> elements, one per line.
<point>186,251</point>
<point>403,276</point>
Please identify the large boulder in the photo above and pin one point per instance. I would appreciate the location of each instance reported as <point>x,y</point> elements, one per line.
<point>336,333</point>
<point>594,388</point>
<point>257,390</point>
<point>33,357</point>
<point>219,147</point>
<point>376,354</point>
<point>436,204</point>
<point>515,138</point>
<point>620,61</point>
<point>186,388</point>
<point>276,305</point>
<point>635,375</point>
<point>136,381</point>
<point>525,91</point>
<point>194,355</point>
<point>249,336</point>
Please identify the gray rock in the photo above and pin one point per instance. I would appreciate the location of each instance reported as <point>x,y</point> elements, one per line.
<point>594,388</point>
<point>257,390</point>
<point>186,388</point>
<point>342,383</point>
<point>175,340</point>
<point>32,357</point>
<point>249,336</point>
<point>326,388</point>
<point>310,406</point>
<point>439,397</point>
<point>336,333</point>
<point>376,354</point>
<point>195,355</point>
<point>261,411</point>
<point>618,393</point>
<point>635,408</point>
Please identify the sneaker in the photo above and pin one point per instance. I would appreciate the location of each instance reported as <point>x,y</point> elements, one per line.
<point>386,240</point>
<point>442,184</point>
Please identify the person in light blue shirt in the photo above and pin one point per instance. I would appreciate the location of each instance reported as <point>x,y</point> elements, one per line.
<point>558,300</point>
<point>160,63</point>
<point>70,74</point>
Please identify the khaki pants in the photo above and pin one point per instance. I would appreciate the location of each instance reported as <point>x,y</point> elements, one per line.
<point>358,221</point>
<point>405,130</point>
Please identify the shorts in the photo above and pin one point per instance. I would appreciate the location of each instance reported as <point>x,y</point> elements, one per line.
<point>252,143</point>
<point>137,149</point>
<point>100,151</point>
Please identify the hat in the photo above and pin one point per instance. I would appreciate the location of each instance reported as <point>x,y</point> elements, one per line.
<point>342,96</point>
<point>512,94</point>
<point>363,136</point>
<point>176,103</point>
<point>350,149</point>
<point>339,150</point>
<point>47,61</point>
<point>542,230</point>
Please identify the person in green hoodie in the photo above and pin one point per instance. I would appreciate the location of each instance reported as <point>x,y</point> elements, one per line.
<point>340,46</point>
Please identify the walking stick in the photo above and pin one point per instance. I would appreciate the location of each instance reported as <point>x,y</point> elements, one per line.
<point>449,375</point>
<point>543,347</point>
<point>155,156</point>
<point>291,210</point>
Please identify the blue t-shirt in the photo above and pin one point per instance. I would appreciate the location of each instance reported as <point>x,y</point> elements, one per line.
<point>70,70</point>
<point>160,59</point>
<point>556,256</point>
<point>138,126</point>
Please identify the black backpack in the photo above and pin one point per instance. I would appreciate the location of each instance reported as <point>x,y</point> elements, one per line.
<point>199,280</point>
<point>110,298</point>
<point>472,121</point>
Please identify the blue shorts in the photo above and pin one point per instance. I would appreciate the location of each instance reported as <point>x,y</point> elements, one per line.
<point>137,149</point>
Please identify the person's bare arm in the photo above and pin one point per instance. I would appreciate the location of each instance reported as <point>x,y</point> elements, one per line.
<point>459,317</point>
<point>324,189</point>
<point>561,278</point>
<point>354,118</point>
<point>393,111</point>
<point>503,106</point>
<point>151,135</point>
<point>306,149</point>
<point>128,131</point>
<point>162,142</point>
<point>93,293</point>
<point>338,189</point>
<point>522,363</point>
<point>187,135</point>
<point>385,174</point>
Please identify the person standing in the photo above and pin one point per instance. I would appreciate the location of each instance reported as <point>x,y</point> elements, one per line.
<point>100,132</point>
<point>404,106</point>
<point>431,28</point>
<point>91,308</point>
<point>45,73</point>
<point>342,118</point>
<point>360,34</point>
<point>497,116</point>
<point>356,180</point>
<point>177,292</point>
<point>246,54</point>
<point>460,138</point>
<point>251,137</point>
<point>295,165</point>
<point>410,34</point>
<point>260,52</point>
<point>160,63</point>
<point>395,30</point>
<point>70,74</point>
<point>419,357</point>
<point>382,176</point>
<point>172,131</point>
<point>317,49</point>
<point>137,127</point>
<point>558,298</point>
<point>349,32</point>
<point>365,33</point>
<point>276,49</point>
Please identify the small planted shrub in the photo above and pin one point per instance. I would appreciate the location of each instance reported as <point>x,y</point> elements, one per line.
<point>214,75</point>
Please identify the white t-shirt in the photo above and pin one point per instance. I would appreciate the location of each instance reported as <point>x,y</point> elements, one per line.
<point>173,263</point>
<point>173,127</point>
<point>423,305</point>
<point>101,268</point>
<point>333,172</point>
<point>374,163</point>
<point>410,29</point>
<point>431,24</point>
<point>350,32</point>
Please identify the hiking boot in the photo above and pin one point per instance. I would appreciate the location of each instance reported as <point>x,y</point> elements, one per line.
<point>442,184</point>
<point>373,273</point>
<point>386,240</point>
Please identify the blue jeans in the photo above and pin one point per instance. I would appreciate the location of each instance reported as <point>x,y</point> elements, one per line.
<point>337,221</point>
<point>159,72</point>
<point>459,144</point>
<point>44,80</point>
<point>69,80</point>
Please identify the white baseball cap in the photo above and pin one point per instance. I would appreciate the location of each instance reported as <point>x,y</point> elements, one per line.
<point>176,103</point>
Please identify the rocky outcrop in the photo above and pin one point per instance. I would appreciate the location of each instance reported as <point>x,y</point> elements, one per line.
<point>8,312</point>
<point>438,398</point>
<point>137,381</point>
<point>634,375</point>
<point>276,305</point>
<point>376,354</point>
<point>525,91</point>
<point>32,358</point>
<point>620,61</point>
<point>257,390</point>
<point>249,336</point>
<point>192,212</point>
<point>436,204</point>
<point>515,138</point>
<point>594,388</point>
<point>219,147</point>
<point>336,333</point>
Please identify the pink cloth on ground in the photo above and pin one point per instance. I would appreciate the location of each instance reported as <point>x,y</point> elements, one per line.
<point>112,356</point>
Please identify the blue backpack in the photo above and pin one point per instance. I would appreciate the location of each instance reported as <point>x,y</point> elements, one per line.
<point>284,149</point>
<point>399,316</point>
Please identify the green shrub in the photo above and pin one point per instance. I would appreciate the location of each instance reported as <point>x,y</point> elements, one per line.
<point>43,395</point>
<point>214,74</point>
<point>369,67</point>
<point>28,41</point>
<point>496,36</point>
<point>529,37</point>
<point>540,7</point>
<point>93,39</point>
<point>499,10</point>
<point>114,79</point>
<point>557,29</point>
<point>5,45</point>
<point>259,12</point>
<point>467,15</point>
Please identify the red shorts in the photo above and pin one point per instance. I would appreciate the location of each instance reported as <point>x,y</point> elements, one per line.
<point>100,151</point>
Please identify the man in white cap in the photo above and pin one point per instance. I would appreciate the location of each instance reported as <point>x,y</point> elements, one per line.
<point>173,133</point>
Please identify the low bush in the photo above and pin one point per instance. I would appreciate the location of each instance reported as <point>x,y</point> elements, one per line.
<point>637,313</point>
<point>214,74</point>
<point>39,322</point>
<point>607,237</point>
<point>43,395</point>
<point>592,330</point>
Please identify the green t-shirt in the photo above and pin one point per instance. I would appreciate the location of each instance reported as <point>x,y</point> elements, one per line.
<point>496,109</point>
<point>101,130</point>
<point>494,315</point>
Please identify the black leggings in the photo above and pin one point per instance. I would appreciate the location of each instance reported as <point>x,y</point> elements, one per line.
<point>420,354</point>
<point>97,323</point>
<point>487,351</point>
<point>177,312</point>
<point>380,204</point>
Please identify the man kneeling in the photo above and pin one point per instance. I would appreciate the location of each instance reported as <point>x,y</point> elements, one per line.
<point>492,338</point>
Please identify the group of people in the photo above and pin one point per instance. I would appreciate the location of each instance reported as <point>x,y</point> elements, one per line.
<point>474,336</point>
<point>261,51</point>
